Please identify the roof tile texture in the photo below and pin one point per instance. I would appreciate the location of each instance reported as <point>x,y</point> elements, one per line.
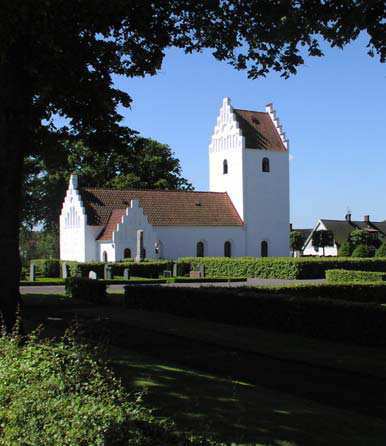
<point>162,208</point>
<point>259,131</point>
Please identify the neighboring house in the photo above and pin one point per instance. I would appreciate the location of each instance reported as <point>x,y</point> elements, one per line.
<point>342,230</point>
<point>304,233</point>
<point>246,211</point>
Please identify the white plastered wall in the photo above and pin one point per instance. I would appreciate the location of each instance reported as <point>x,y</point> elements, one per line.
<point>227,143</point>
<point>77,239</point>
<point>267,202</point>
<point>181,241</point>
<point>125,235</point>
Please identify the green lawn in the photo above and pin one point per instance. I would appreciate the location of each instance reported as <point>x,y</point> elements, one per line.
<point>240,413</point>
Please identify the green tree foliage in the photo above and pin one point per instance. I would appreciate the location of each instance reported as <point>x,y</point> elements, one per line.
<point>345,250</point>
<point>381,251</point>
<point>141,163</point>
<point>322,239</point>
<point>360,237</point>
<point>38,245</point>
<point>58,58</point>
<point>296,240</point>
<point>362,251</point>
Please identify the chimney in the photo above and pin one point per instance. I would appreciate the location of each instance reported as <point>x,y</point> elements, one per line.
<point>366,219</point>
<point>348,217</point>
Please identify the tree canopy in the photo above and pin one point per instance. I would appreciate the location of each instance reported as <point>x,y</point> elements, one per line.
<point>60,58</point>
<point>143,163</point>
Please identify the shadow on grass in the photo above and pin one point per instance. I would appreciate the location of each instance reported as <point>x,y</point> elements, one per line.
<point>238,412</point>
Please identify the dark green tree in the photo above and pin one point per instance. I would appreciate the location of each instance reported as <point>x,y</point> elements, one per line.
<point>59,58</point>
<point>360,237</point>
<point>381,251</point>
<point>322,239</point>
<point>296,240</point>
<point>345,250</point>
<point>143,163</point>
<point>363,251</point>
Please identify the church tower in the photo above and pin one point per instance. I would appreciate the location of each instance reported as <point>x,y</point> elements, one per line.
<point>249,159</point>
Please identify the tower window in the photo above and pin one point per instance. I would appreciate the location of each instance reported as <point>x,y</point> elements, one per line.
<point>227,249</point>
<point>264,249</point>
<point>127,253</point>
<point>200,249</point>
<point>265,165</point>
<point>225,167</point>
<point>104,256</point>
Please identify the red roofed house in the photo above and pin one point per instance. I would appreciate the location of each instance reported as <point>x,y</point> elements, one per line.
<point>245,213</point>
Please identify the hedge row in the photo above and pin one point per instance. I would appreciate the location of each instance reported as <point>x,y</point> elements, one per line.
<point>47,267</point>
<point>335,320</point>
<point>345,276</point>
<point>86,289</point>
<point>281,267</point>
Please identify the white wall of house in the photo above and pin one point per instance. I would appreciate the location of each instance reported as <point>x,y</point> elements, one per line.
<point>108,247</point>
<point>309,249</point>
<point>181,241</point>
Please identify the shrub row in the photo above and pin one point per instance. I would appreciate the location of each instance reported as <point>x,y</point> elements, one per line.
<point>346,276</point>
<point>47,267</point>
<point>321,318</point>
<point>86,289</point>
<point>281,267</point>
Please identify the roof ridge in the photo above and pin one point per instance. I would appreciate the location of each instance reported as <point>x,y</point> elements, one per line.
<point>152,190</point>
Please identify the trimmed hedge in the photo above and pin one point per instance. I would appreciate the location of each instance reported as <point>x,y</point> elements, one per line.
<point>282,267</point>
<point>86,289</point>
<point>335,320</point>
<point>345,276</point>
<point>47,267</point>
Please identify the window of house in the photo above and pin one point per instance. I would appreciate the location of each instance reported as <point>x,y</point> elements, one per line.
<point>225,167</point>
<point>227,249</point>
<point>104,256</point>
<point>265,165</point>
<point>127,253</point>
<point>264,249</point>
<point>200,249</point>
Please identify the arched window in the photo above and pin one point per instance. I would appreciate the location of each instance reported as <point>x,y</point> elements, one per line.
<point>225,167</point>
<point>264,249</point>
<point>227,249</point>
<point>104,256</point>
<point>265,165</point>
<point>127,253</point>
<point>200,249</point>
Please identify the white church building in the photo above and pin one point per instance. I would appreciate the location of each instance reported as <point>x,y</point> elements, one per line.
<point>244,213</point>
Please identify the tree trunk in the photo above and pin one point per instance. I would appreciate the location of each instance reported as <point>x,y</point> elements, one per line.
<point>15,137</point>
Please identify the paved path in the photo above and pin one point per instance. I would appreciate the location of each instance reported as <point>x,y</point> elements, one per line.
<point>57,289</point>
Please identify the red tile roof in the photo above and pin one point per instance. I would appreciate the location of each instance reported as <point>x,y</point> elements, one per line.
<point>105,207</point>
<point>115,218</point>
<point>259,131</point>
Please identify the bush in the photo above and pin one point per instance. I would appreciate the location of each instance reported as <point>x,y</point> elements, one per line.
<point>47,267</point>
<point>335,320</point>
<point>381,251</point>
<point>86,289</point>
<point>362,251</point>
<point>345,250</point>
<point>61,393</point>
<point>281,267</point>
<point>344,276</point>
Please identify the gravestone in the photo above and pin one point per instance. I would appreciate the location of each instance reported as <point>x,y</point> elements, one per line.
<point>64,270</point>
<point>195,274</point>
<point>32,272</point>
<point>167,273</point>
<point>108,273</point>
<point>92,275</point>
<point>140,249</point>
<point>201,268</point>
<point>126,274</point>
<point>175,269</point>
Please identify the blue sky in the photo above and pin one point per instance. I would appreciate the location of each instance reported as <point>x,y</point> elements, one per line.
<point>333,112</point>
